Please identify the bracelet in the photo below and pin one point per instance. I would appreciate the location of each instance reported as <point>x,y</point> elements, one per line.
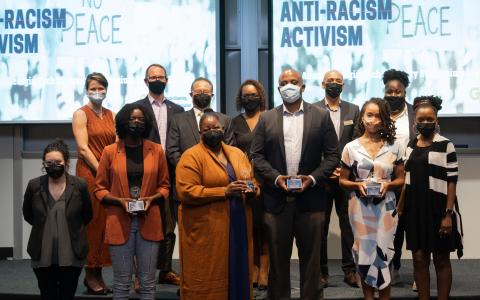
<point>448,211</point>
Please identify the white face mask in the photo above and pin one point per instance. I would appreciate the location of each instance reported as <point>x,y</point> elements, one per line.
<point>96,97</point>
<point>290,93</point>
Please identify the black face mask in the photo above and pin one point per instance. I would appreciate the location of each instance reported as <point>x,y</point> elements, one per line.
<point>55,171</point>
<point>202,100</point>
<point>157,87</point>
<point>213,138</point>
<point>333,90</point>
<point>251,103</point>
<point>426,129</point>
<point>136,129</point>
<point>396,103</point>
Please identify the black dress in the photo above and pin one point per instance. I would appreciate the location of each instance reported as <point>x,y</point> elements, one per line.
<point>243,135</point>
<point>421,219</point>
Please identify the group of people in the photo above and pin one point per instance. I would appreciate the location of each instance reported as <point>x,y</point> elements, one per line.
<point>242,189</point>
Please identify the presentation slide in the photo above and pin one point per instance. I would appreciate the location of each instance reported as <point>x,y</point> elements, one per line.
<point>437,42</point>
<point>49,46</point>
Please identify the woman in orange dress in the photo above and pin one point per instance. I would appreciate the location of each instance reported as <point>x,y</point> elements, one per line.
<point>94,129</point>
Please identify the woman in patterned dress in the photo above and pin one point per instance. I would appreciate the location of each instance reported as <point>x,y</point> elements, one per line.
<point>373,159</point>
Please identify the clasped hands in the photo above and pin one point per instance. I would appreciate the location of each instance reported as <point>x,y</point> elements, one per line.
<point>239,188</point>
<point>282,183</point>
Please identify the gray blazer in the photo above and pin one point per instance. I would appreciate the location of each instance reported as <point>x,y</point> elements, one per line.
<point>78,211</point>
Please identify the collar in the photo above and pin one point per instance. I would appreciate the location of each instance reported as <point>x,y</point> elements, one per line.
<point>152,100</point>
<point>328,106</point>
<point>402,114</point>
<point>197,112</point>
<point>286,111</point>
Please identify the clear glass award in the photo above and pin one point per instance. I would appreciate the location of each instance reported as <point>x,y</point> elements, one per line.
<point>372,186</point>
<point>294,183</point>
<point>247,179</point>
<point>135,205</point>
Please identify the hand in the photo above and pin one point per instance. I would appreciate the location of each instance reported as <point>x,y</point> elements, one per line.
<point>148,201</point>
<point>335,174</point>
<point>282,182</point>
<point>124,203</point>
<point>362,188</point>
<point>446,226</point>
<point>384,187</point>
<point>306,183</point>
<point>236,188</point>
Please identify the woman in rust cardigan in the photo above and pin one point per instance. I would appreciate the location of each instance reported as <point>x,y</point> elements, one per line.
<point>214,186</point>
<point>133,168</point>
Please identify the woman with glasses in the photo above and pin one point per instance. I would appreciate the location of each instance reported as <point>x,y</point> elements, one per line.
<point>58,207</point>
<point>132,179</point>
<point>94,128</point>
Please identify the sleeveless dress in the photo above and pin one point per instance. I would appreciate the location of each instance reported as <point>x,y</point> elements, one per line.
<point>101,133</point>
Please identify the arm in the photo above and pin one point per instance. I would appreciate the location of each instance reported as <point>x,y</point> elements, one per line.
<point>257,151</point>
<point>397,183</point>
<point>189,183</point>
<point>331,158</point>
<point>162,184</point>
<point>401,202</point>
<point>27,204</point>
<point>87,211</point>
<point>103,184</point>
<point>79,125</point>
<point>452,177</point>
<point>173,150</point>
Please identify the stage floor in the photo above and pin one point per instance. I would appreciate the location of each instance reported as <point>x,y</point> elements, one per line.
<point>19,282</point>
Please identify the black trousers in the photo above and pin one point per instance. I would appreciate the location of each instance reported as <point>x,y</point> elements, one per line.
<point>57,283</point>
<point>335,194</point>
<point>399,237</point>
<point>306,228</point>
<point>169,215</point>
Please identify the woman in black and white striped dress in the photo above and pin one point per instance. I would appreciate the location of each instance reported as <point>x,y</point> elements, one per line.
<point>429,199</point>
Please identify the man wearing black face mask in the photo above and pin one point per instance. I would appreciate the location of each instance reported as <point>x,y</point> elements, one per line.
<point>162,111</point>
<point>396,83</point>
<point>344,116</point>
<point>184,131</point>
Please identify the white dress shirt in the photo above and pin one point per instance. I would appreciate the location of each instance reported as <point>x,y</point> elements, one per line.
<point>292,137</point>
<point>160,111</point>
<point>402,132</point>
<point>198,114</point>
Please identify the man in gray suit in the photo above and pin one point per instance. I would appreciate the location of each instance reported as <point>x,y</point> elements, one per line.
<point>162,111</point>
<point>294,151</point>
<point>184,131</point>
<point>344,116</point>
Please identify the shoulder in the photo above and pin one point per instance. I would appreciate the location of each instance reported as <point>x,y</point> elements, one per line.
<point>175,105</point>
<point>78,180</point>
<point>350,105</point>
<point>142,101</point>
<point>35,182</point>
<point>80,114</point>
<point>233,150</point>
<point>149,144</point>
<point>183,114</point>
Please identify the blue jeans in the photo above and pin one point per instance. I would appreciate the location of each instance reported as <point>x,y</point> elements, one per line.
<point>122,256</point>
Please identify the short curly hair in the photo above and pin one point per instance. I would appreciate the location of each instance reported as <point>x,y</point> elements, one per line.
<point>393,74</point>
<point>60,146</point>
<point>261,93</point>
<point>123,117</point>
<point>434,102</point>
<point>387,130</point>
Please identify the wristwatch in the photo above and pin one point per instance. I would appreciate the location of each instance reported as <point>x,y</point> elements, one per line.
<point>448,211</point>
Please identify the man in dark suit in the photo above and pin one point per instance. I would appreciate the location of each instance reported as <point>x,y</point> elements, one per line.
<point>294,151</point>
<point>344,116</point>
<point>162,111</point>
<point>184,131</point>
<point>402,112</point>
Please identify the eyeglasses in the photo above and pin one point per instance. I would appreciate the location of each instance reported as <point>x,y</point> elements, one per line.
<point>155,78</point>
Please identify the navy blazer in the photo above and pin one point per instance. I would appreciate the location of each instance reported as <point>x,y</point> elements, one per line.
<point>78,211</point>
<point>319,156</point>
